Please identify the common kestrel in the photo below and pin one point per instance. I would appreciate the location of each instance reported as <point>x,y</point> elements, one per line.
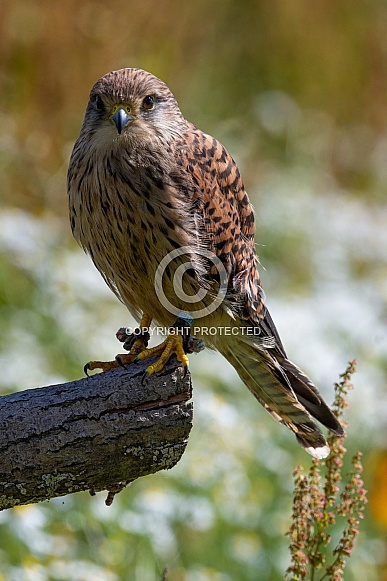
<point>145,184</point>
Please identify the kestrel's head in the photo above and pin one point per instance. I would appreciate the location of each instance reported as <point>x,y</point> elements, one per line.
<point>132,105</point>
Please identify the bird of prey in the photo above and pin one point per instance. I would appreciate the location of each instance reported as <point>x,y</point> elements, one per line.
<point>148,188</point>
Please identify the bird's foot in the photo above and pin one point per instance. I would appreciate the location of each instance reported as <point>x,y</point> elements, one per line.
<point>179,342</point>
<point>135,343</point>
<point>172,345</point>
<point>120,360</point>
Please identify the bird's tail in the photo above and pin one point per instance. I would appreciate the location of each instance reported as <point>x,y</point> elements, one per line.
<point>284,391</point>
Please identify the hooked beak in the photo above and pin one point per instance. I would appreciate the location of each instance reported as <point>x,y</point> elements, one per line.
<point>121,118</point>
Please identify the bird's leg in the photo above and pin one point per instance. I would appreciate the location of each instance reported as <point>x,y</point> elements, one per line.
<point>179,342</point>
<point>134,342</point>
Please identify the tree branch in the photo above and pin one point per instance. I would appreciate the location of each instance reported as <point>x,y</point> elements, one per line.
<point>92,433</point>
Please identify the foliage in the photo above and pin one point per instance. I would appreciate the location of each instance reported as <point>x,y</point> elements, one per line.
<point>317,506</point>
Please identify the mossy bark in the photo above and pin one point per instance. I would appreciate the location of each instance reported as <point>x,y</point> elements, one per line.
<point>92,433</point>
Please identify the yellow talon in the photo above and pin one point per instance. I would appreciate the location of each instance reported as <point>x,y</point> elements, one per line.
<point>104,365</point>
<point>137,348</point>
<point>119,361</point>
<point>172,345</point>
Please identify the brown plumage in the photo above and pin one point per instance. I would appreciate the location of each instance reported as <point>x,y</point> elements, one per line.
<point>142,182</point>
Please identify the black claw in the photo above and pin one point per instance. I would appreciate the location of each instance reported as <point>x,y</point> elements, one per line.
<point>86,369</point>
<point>118,359</point>
<point>185,371</point>
<point>144,377</point>
<point>136,360</point>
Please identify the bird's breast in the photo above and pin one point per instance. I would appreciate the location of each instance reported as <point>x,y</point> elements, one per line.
<point>129,226</point>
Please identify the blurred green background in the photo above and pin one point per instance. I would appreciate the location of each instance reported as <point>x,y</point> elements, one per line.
<point>297,92</point>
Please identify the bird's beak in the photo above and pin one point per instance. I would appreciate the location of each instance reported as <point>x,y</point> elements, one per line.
<point>121,118</point>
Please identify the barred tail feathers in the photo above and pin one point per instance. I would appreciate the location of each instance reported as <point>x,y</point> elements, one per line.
<point>271,381</point>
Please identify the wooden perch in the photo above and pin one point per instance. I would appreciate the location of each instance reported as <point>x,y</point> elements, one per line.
<point>92,434</point>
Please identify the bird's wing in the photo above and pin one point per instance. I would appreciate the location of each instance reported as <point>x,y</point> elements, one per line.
<point>227,218</point>
<point>281,387</point>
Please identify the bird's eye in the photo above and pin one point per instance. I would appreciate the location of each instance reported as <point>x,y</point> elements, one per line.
<point>149,103</point>
<point>98,103</point>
